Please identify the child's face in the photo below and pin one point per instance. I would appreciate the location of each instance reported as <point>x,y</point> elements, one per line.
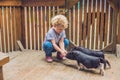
<point>58,29</point>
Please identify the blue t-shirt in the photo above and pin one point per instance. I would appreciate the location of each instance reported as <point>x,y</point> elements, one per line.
<point>51,34</point>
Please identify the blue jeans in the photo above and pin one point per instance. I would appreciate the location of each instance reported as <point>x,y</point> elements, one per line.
<point>48,47</point>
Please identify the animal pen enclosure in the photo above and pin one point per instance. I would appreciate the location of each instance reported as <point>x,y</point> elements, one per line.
<point>92,23</point>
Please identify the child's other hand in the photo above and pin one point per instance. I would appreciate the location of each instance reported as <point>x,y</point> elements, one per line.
<point>64,52</point>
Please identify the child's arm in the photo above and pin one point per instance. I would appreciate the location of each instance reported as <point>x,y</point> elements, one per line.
<point>61,44</point>
<point>57,48</point>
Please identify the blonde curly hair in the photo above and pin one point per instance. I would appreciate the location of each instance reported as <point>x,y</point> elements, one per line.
<point>59,20</point>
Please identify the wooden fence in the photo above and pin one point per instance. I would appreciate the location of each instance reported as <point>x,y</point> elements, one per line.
<point>118,25</point>
<point>37,23</point>
<point>91,23</point>
<point>10,28</point>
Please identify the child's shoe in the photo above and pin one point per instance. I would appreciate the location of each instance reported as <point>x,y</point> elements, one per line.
<point>49,59</point>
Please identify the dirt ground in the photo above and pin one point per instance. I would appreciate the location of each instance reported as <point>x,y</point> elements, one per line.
<point>31,65</point>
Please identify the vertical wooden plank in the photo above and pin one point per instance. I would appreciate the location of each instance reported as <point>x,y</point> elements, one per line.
<point>50,16</point>
<point>38,31</point>
<point>3,24</point>
<point>40,38</point>
<point>80,26</point>
<point>7,27</point>
<point>1,29</point>
<point>14,28</point>
<point>84,24</point>
<point>118,41</point>
<point>70,21</point>
<point>45,20</point>
<point>11,29</point>
<point>102,24</point>
<point>98,23</point>
<point>87,6</point>
<point>26,33</point>
<point>93,24</point>
<point>89,24</point>
<point>26,20</point>
<point>15,25</point>
<point>39,10</point>
<point>95,36</point>
<point>34,32</point>
<point>58,10</point>
<point>74,23</point>
<point>111,24</point>
<point>90,44</point>
<point>53,10</point>
<point>30,28</point>
<point>106,24</point>
<point>33,26</point>
<point>41,27</point>
<point>71,17</point>
<point>90,37</point>
<point>36,27</point>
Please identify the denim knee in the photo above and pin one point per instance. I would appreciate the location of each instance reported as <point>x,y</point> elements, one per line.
<point>48,47</point>
<point>66,43</point>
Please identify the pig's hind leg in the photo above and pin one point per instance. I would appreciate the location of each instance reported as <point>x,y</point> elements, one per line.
<point>101,67</point>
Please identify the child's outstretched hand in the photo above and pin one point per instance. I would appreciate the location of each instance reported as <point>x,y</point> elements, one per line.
<point>64,52</point>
